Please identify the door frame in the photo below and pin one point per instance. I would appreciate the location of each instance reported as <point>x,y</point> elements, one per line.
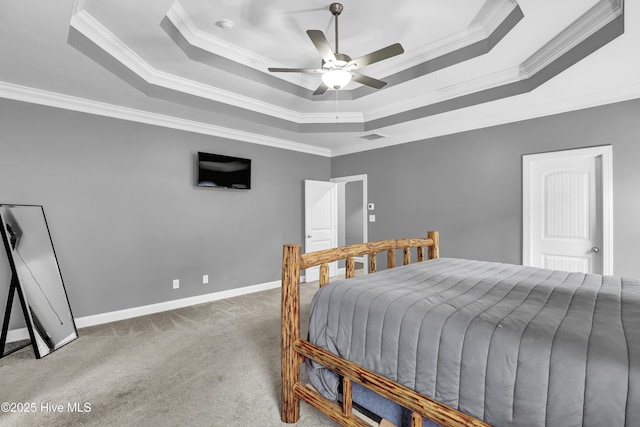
<point>356,178</point>
<point>606,154</point>
<point>365,224</point>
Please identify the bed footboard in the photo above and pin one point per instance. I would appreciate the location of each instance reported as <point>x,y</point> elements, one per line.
<point>295,349</point>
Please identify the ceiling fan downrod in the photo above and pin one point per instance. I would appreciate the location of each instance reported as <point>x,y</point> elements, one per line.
<point>336,10</point>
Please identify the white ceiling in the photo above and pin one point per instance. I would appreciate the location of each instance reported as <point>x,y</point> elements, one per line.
<point>467,64</point>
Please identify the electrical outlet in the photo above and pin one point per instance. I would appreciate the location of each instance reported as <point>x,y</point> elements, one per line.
<point>176,283</point>
<point>205,278</point>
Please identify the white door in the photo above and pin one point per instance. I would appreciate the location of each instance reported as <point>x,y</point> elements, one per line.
<point>320,222</point>
<point>567,210</point>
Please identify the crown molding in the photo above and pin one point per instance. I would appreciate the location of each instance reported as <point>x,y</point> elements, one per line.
<point>78,5</point>
<point>446,127</point>
<point>91,28</point>
<point>489,81</point>
<point>598,16</point>
<point>489,18</point>
<point>425,53</point>
<point>591,21</point>
<point>200,39</point>
<point>67,102</point>
<point>88,26</point>
<point>181,20</point>
<point>503,116</point>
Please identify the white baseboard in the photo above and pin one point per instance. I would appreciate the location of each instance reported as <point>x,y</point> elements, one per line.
<point>114,316</point>
<point>17,335</point>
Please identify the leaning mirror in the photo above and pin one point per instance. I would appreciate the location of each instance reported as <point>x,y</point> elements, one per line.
<point>35,279</point>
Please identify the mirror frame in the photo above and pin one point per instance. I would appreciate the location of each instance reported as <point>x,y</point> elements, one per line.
<point>40,341</point>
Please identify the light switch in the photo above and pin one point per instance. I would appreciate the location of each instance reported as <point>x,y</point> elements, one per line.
<point>372,218</point>
<point>370,206</point>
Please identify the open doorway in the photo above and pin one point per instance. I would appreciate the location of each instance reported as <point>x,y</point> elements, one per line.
<point>352,214</point>
<point>335,215</point>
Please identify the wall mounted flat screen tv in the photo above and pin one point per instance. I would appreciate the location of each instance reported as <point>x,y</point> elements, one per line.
<point>215,170</point>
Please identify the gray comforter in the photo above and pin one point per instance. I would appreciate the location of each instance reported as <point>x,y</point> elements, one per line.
<point>512,345</point>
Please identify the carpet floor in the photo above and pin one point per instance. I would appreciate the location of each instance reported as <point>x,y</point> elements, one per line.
<point>213,364</point>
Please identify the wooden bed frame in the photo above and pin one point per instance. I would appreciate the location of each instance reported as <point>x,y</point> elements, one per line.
<point>295,349</point>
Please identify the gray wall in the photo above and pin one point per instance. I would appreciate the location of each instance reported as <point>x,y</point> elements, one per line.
<point>469,185</point>
<point>125,216</point>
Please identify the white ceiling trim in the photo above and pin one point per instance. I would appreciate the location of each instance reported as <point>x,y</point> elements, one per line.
<point>102,37</point>
<point>585,26</point>
<point>601,14</point>
<point>443,127</point>
<point>480,119</point>
<point>67,102</point>
<point>78,5</point>
<point>440,47</point>
<point>488,19</point>
<point>91,28</point>
<point>491,17</point>
<point>198,38</point>
<point>445,93</point>
<point>595,18</point>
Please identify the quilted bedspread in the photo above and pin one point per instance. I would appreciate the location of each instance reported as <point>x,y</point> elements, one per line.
<point>511,345</point>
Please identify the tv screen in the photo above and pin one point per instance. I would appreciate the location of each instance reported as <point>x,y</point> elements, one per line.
<point>215,170</point>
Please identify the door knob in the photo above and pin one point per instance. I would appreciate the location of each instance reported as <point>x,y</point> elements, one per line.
<point>595,249</point>
<point>308,236</point>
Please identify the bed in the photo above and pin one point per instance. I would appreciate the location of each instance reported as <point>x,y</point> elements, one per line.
<point>462,342</point>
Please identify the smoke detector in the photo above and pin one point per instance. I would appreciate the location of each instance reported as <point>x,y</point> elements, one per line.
<point>225,24</point>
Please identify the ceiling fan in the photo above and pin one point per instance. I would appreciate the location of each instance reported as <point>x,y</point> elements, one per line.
<point>338,68</point>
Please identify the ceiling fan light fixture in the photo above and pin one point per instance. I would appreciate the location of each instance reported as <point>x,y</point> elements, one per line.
<point>336,79</point>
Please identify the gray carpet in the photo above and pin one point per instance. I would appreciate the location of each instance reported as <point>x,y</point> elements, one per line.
<point>214,364</point>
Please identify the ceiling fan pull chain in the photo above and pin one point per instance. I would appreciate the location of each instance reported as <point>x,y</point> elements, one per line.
<point>336,106</point>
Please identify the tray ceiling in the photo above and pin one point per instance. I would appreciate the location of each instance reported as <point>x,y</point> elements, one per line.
<point>467,64</point>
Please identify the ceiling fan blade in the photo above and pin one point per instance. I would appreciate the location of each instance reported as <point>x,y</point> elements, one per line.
<point>321,89</point>
<point>296,70</point>
<point>369,81</point>
<point>378,55</point>
<point>321,43</point>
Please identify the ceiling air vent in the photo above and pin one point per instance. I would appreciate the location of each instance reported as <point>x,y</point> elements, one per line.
<point>373,136</point>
